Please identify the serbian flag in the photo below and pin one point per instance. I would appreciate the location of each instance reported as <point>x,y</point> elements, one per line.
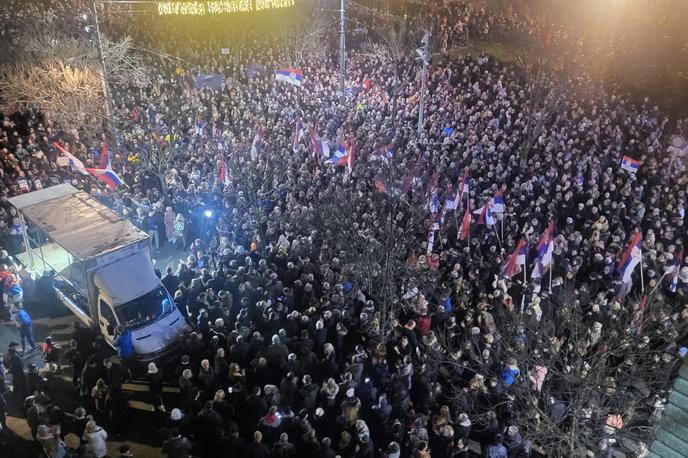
<point>384,153</point>
<point>340,156</point>
<point>486,216</point>
<point>257,142</point>
<point>545,247</point>
<point>352,155</point>
<point>104,157</point>
<point>223,172</point>
<point>431,241</point>
<point>629,164</point>
<point>107,176</point>
<point>290,75</point>
<point>73,160</point>
<point>464,187</point>
<point>516,260</point>
<point>465,230</point>
<point>320,146</point>
<point>298,134</point>
<point>674,269</point>
<point>498,202</point>
<point>630,258</point>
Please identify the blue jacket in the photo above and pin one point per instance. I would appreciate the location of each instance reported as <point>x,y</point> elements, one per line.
<point>125,347</point>
<point>23,318</point>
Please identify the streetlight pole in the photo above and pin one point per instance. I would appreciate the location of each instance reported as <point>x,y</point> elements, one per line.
<point>342,52</point>
<point>103,78</point>
<point>424,55</point>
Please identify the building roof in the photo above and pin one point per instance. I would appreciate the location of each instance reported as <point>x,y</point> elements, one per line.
<point>76,221</point>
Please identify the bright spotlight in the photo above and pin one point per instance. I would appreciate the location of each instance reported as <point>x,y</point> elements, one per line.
<point>208,213</point>
<point>84,16</point>
<point>87,29</point>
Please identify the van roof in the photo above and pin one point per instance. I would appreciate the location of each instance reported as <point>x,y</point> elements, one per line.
<point>76,221</point>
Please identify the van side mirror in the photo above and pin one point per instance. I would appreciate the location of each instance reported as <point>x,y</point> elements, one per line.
<point>110,330</point>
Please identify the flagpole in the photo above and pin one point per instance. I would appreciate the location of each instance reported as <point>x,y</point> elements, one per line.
<point>503,216</point>
<point>551,265</point>
<point>494,226</point>
<point>642,278</point>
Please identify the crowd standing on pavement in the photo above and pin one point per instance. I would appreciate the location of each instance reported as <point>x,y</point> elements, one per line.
<point>283,355</point>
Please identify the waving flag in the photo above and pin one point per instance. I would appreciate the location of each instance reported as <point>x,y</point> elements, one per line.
<point>351,155</point>
<point>498,202</point>
<point>340,156</point>
<point>254,70</point>
<point>298,134</point>
<point>290,75</point>
<point>630,258</point>
<point>321,149</point>
<point>516,260</point>
<point>545,247</point>
<point>73,160</point>
<point>104,157</point>
<point>674,268</point>
<point>223,172</point>
<point>486,216</point>
<point>629,164</point>
<point>257,142</point>
<point>107,176</point>
<point>465,182</point>
<point>465,230</point>
<point>384,153</point>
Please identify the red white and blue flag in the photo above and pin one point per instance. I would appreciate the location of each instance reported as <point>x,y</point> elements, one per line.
<point>104,157</point>
<point>107,176</point>
<point>341,155</point>
<point>384,153</point>
<point>545,247</point>
<point>73,160</point>
<point>629,164</point>
<point>465,230</point>
<point>516,260</point>
<point>498,205</point>
<point>630,258</point>
<point>298,135</point>
<point>674,268</point>
<point>257,144</point>
<point>321,149</point>
<point>223,172</point>
<point>486,216</point>
<point>290,75</point>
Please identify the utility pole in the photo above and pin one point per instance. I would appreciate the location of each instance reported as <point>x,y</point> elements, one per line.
<point>424,54</point>
<point>103,79</point>
<point>342,52</point>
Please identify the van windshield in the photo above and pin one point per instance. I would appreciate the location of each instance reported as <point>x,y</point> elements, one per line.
<point>145,309</point>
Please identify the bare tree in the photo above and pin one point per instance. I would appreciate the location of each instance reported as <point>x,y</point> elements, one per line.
<point>305,38</point>
<point>61,76</point>
<point>580,382</point>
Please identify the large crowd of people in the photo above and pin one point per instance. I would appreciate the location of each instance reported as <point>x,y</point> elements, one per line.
<point>285,353</point>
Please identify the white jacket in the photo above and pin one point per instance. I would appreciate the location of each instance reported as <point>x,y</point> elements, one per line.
<point>95,442</point>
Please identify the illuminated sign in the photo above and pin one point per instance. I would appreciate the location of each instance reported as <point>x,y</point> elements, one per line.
<point>196,8</point>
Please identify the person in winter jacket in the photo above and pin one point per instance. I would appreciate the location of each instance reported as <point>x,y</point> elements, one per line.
<point>95,438</point>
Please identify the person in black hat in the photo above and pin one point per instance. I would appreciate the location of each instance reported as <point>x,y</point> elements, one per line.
<point>15,366</point>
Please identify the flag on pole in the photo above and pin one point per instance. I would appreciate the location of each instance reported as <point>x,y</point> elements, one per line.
<point>298,134</point>
<point>257,142</point>
<point>486,216</point>
<point>630,258</point>
<point>674,269</point>
<point>384,153</point>
<point>104,157</point>
<point>73,160</point>
<point>516,260</point>
<point>465,230</point>
<point>629,164</point>
<point>545,247</point>
<point>224,172</point>
<point>107,176</point>
<point>465,182</point>
<point>351,156</point>
<point>340,156</point>
<point>498,202</point>
<point>321,149</point>
<point>289,75</point>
